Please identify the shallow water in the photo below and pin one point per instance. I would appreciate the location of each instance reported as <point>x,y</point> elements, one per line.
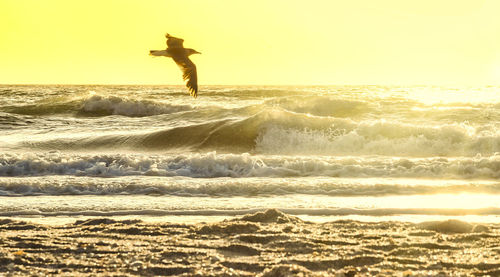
<point>345,151</point>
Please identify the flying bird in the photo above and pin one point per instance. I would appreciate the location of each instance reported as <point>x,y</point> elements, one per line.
<point>176,51</point>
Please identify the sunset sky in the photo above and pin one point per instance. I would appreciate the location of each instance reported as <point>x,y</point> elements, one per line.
<point>282,42</point>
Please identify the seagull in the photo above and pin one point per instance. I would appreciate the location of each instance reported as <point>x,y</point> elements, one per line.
<point>176,51</point>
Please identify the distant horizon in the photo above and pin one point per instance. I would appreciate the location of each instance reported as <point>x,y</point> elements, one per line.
<point>247,85</point>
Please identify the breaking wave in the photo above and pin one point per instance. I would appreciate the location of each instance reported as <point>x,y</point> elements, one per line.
<point>290,211</point>
<point>212,165</point>
<point>323,106</point>
<point>281,132</point>
<point>230,187</point>
<point>97,105</point>
<point>381,138</point>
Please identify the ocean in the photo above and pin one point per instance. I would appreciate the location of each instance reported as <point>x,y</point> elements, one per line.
<point>319,152</point>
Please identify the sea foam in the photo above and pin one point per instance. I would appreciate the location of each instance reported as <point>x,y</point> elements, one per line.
<point>113,105</point>
<point>279,132</point>
<point>212,165</point>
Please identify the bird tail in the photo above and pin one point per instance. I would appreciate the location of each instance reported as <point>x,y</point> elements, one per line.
<point>159,53</point>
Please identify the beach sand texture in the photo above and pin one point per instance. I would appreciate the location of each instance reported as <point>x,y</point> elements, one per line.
<point>268,243</point>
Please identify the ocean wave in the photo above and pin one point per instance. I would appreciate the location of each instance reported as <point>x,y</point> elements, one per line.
<point>55,105</point>
<point>292,211</point>
<point>96,105</point>
<point>212,165</point>
<point>10,121</point>
<point>228,135</point>
<point>380,137</point>
<point>113,105</point>
<point>231,187</point>
<point>279,132</point>
<point>323,105</point>
<point>252,92</point>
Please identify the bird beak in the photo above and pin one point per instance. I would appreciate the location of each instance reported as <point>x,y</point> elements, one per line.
<point>198,52</point>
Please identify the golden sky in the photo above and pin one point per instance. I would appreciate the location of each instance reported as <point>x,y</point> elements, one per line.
<point>313,42</point>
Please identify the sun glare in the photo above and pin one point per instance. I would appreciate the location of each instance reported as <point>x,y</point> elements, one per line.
<point>267,42</point>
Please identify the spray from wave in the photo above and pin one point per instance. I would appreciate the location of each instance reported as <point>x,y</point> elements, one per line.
<point>280,132</point>
<point>231,187</point>
<point>381,138</point>
<point>99,105</point>
<point>96,105</point>
<point>212,165</point>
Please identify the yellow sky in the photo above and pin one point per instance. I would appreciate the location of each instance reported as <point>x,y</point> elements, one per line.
<point>315,42</point>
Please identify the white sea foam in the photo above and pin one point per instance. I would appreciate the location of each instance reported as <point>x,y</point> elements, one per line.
<point>381,138</point>
<point>230,187</point>
<point>97,105</point>
<point>245,142</point>
<point>114,105</point>
<point>280,132</point>
<point>244,165</point>
<point>293,211</point>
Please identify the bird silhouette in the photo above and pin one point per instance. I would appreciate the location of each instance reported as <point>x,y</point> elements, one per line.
<point>180,55</point>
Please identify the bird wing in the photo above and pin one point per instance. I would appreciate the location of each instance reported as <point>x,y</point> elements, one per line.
<point>158,53</point>
<point>173,42</point>
<point>188,74</point>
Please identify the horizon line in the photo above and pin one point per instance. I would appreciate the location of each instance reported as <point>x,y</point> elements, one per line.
<point>274,85</point>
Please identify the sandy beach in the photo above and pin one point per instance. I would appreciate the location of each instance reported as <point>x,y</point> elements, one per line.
<point>268,243</point>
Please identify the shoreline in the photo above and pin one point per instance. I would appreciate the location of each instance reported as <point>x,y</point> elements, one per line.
<point>269,243</point>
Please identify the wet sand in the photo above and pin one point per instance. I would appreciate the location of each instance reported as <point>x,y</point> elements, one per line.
<point>267,243</point>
